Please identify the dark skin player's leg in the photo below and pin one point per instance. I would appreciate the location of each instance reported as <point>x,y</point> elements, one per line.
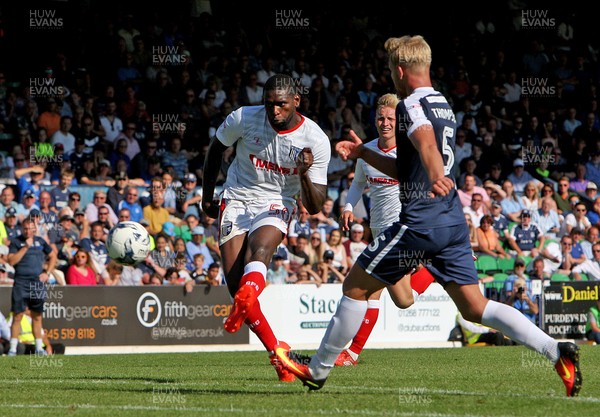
<point>242,249</point>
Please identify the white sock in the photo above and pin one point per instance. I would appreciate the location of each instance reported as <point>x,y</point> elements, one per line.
<point>373,304</point>
<point>39,345</point>
<point>519,328</point>
<point>13,344</point>
<point>342,328</point>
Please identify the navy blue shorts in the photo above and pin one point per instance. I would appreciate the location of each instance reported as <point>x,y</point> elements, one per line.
<point>30,294</point>
<point>446,252</point>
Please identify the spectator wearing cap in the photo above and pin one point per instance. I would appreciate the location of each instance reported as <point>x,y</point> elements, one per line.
<point>327,271</point>
<point>356,244</point>
<point>29,204</point>
<point>30,178</point>
<point>546,218</point>
<point>131,202</point>
<point>277,273</point>
<point>64,136</point>
<point>7,200</point>
<point>189,197</point>
<point>520,177</point>
<point>60,193</point>
<point>117,192</point>
<point>101,175</point>
<point>197,245</point>
<point>525,238</point>
<point>63,240</point>
<point>11,228</point>
<point>591,191</point>
<point>580,182</point>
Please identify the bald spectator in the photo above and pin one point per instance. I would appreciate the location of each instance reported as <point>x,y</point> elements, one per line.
<point>99,200</point>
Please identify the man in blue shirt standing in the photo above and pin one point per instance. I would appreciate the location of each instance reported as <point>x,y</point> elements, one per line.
<point>27,254</point>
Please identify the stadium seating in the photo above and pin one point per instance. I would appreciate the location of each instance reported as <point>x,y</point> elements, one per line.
<point>556,277</point>
<point>506,265</point>
<point>487,264</point>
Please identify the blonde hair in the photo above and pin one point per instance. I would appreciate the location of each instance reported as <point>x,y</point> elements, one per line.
<point>388,100</point>
<point>411,51</point>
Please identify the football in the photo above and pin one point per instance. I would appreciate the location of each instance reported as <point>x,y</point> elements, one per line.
<point>128,243</point>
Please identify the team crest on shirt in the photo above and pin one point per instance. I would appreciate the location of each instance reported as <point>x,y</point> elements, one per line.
<point>294,153</point>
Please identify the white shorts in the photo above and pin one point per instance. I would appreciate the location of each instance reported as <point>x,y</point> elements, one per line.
<point>239,217</point>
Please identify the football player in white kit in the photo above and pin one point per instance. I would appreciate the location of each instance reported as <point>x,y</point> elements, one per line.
<point>385,211</point>
<point>280,156</point>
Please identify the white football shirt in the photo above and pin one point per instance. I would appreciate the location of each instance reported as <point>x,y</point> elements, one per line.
<point>265,163</point>
<point>384,190</point>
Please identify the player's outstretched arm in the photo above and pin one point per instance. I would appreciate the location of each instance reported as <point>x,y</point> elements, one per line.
<point>212,167</point>
<point>354,149</point>
<point>423,139</point>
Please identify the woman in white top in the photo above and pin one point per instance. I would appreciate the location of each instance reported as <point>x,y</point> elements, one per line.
<point>531,198</point>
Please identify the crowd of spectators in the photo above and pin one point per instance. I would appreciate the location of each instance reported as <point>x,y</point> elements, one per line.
<point>142,93</point>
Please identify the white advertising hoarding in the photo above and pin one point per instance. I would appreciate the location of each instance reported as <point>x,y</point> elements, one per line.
<point>299,314</point>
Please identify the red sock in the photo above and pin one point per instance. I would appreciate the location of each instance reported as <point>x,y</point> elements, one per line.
<point>420,280</point>
<point>257,322</point>
<point>368,323</point>
<point>254,279</point>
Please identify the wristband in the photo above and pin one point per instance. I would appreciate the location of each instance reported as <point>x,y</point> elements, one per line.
<point>348,207</point>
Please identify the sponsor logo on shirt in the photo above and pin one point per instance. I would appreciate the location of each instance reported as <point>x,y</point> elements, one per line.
<point>263,165</point>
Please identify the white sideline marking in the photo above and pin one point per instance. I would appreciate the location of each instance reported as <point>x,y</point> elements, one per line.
<point>336,411</point>
<point>332,387</point>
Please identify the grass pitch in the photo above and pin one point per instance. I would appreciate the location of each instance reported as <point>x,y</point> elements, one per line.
<point>482,381</point>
